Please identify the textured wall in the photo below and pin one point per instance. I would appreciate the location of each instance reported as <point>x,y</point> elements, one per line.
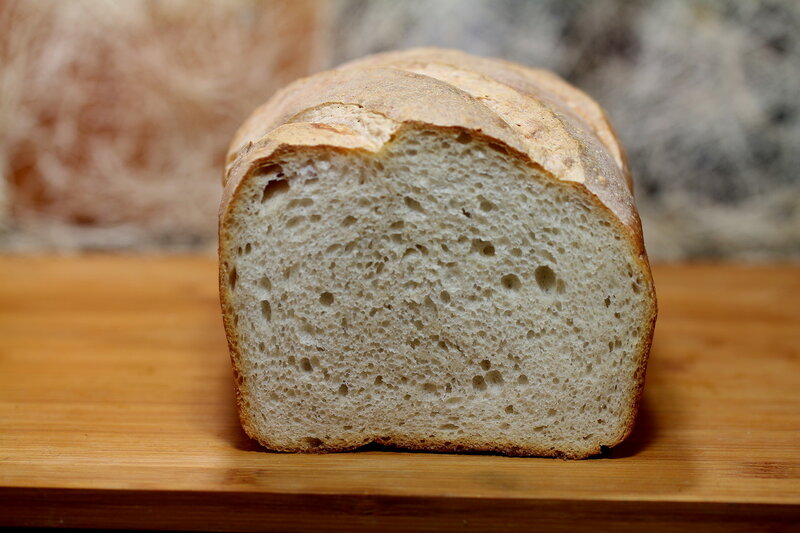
<point>705,95</point>
<point>114,116</point>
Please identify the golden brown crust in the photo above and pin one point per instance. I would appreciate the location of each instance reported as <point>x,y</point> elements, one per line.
<point>533,112</point>
<point>464,445</point>
<point>541,84</point>
<point>530,114</point>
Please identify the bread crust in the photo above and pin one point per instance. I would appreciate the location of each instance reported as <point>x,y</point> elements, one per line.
<point>530,114</point>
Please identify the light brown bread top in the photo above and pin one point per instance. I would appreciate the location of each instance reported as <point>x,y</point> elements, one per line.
<point>530,112</point>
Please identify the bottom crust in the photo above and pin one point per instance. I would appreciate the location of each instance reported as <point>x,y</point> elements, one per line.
<point>439,446</point>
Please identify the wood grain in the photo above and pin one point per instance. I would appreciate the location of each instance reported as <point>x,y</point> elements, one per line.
<point>116,410</point>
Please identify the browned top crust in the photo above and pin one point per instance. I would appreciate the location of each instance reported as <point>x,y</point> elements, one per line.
<point>533,112</point>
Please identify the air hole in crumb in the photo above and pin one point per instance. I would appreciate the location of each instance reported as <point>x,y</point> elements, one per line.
<point>349,221</point>
<point>505,425</point>
<point>478,383</point>
<point>272,169</point>
<point>486,205</point>
<point>343,390</point>
<point>607,301</point>
<point>305,364</point>
<point>312,442</point>
<point>233,277</point>
<point>266,283</point>
<point>273,188</point>
<point>511,282</point>
<point>516,252</point>
<point>413,204</point>
<point>397,225</point>
<point>301,202</point>
<point>429,303</point>
<point>292,222</point>
<point>262,346</point>
<point>485,248</point>
<point>347,428</point>
<point>485,364</point>
<point>545,278</point>
<point>494,378</point>
<point>522,379</point>
<point>561,287</point>
<point>444,296</point>
<point>635,287</point>
<point>464,138</point>
<point>326,298</point>
<point>551,412</point>
<point>509,409</point>
<point>448,426</point>
<point>379,380</point>
<point>429,387</point>
<point>266,310</point>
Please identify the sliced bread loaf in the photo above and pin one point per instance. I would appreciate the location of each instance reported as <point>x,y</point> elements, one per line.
<point>436,251</point>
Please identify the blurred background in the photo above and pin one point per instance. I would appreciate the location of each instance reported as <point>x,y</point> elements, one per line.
<point>115,115</point>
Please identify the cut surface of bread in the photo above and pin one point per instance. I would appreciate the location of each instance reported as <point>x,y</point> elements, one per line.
<point>428,285</point>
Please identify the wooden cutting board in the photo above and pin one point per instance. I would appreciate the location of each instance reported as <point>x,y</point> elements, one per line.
<point>116,410</point>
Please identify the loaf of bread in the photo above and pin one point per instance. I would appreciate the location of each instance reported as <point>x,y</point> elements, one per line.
<point>432,250</point>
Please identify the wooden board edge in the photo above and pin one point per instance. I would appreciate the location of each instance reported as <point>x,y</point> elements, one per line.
<point>232,511</point>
